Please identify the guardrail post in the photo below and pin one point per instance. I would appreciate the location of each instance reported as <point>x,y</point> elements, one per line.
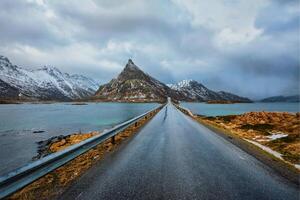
<point>135,124</point>
<point>113,140</point>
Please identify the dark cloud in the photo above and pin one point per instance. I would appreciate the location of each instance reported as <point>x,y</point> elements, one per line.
<point>287,2</point>
<point>21,23</point>
<point>255,55</point>
<point>280,17</point>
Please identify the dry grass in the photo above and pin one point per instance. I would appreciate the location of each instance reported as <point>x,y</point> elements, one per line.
<point>70,140</point>
<point>259,126</point>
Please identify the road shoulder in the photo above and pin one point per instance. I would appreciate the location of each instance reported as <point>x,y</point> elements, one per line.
<point>280,167</point>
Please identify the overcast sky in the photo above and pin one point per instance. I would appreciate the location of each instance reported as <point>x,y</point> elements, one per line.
<point>248,47</point>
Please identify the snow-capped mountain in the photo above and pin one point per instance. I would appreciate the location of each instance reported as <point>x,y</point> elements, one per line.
<point>47,83</point>
<point>181,84</point>
<point>198,92</point>
<point>195,90</point>
<point>132,84</point>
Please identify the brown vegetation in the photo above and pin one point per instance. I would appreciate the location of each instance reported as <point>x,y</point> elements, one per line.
<point>4,101</point>
<point>70,140</point>
<point>279,131</point>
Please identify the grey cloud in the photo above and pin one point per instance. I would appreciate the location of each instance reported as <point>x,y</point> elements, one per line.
<point>280,17</point>
<point>287,2</point>
<point>77,37</point>
<point>21,23</point>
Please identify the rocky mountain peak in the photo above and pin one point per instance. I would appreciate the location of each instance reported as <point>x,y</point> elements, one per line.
<point>130,62</point>
<point>134,85</point>
<point>130,66</point>
<point>131,71</point>
<point>5,63</point>
<point>4,59</point>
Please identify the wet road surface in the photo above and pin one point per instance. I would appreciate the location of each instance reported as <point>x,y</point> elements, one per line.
<point>174,157</point>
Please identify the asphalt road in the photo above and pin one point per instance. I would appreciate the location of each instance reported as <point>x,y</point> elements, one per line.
<point>174,157</point>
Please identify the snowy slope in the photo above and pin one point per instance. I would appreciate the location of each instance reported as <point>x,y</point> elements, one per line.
<point>181,84</point>
<point>198,92</point>
<point>195,90</point>
<point>47,83</point>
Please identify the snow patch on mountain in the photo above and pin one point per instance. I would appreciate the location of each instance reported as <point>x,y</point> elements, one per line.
<point>198,92</point>
<point>47,83</point>
<point>181,84</point>
<point>132,84</point>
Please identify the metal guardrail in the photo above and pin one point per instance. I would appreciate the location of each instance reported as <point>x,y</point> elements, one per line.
<point>27,174</point>
<point>188,111</point>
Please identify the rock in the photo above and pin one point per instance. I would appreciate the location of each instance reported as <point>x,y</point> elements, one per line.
<point>43,146</point>
<point>38,131</point>
<point>57,143</point>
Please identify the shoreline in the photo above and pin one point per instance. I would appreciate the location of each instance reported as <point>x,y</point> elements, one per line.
<point>86,101</point>
<point>58,143</point>
<point>58,180</point>
<point>4,102</point>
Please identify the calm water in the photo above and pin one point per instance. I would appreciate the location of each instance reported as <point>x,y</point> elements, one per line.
<point>17,123</point>
<point>239,108</point>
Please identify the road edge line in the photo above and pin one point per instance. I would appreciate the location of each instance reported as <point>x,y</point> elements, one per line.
<point>277,165</point>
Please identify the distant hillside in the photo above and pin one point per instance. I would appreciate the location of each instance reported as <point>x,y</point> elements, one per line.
<point>47,83</point>
<point>293,98</point>
<point>133,85</point>
<point>195,91</point>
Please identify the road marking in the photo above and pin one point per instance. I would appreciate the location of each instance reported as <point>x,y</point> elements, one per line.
<point>242,158</point>
<point>79,195</point>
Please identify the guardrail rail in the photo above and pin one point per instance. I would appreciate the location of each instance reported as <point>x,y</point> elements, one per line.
<point>23,176</point>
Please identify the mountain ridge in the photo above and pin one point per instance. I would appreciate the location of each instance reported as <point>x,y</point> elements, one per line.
<point>280,98</point>
<point>198,92</point>
<point>134,85</point>
<point>45,83</point>
<point>131,85</point>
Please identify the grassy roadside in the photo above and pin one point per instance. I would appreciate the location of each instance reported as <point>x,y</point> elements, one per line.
<point>280,166</point>
<point>57,181</point>
<point>276,132</point>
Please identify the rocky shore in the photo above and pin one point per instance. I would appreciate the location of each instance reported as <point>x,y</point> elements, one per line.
<point>58,143</point>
